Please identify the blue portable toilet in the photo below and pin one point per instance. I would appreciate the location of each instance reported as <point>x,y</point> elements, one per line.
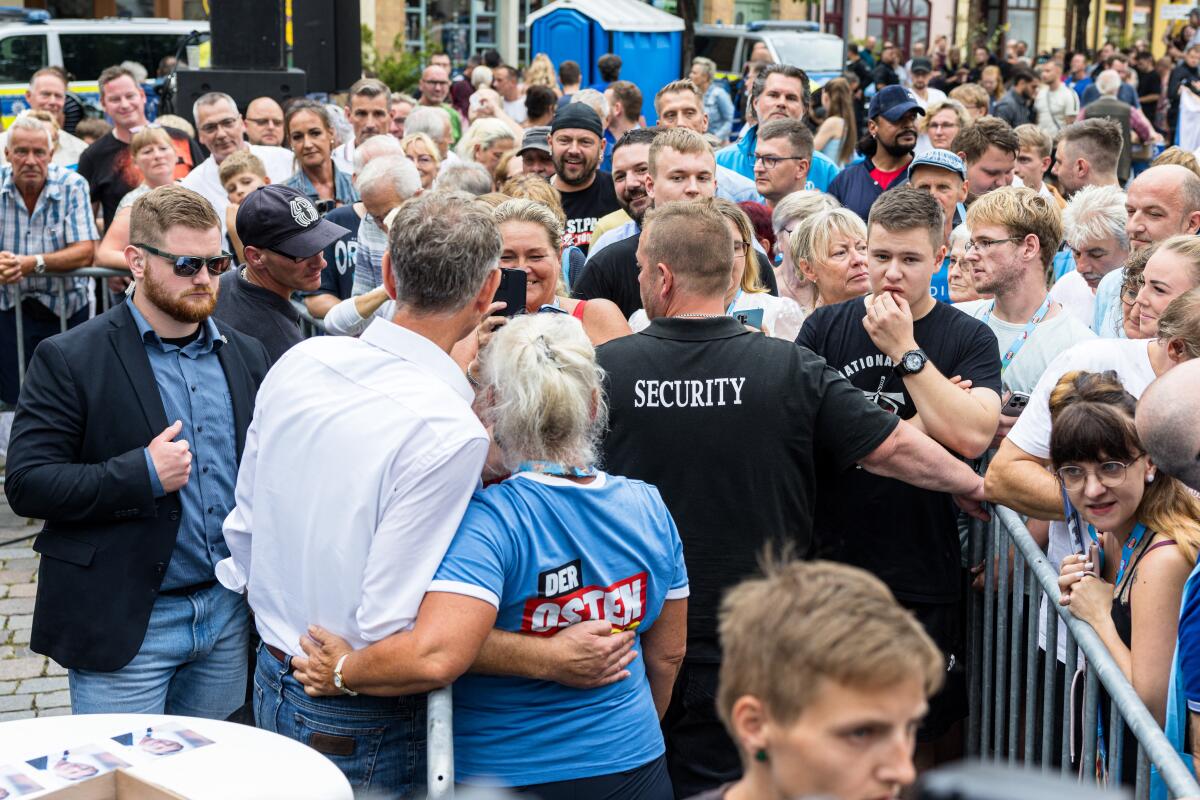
<point>648,40</point>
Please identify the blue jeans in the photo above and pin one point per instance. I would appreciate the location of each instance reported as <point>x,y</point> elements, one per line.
<point>377,742</point>
<point>192,662</point>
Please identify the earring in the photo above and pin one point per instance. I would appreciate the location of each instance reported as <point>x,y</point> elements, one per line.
<point>761,755</point>
<point>1149,477</point>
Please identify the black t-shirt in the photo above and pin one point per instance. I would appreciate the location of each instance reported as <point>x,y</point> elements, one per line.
<point>586,206</point>
<point>250,309</point>
<point>905,535</point>
<point>703,409</point>
<point>108,167</point>
<point>337,278</point>
<point>612,275</point>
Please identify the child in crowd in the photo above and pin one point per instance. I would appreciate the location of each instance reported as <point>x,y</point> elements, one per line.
<point>824,680</point>
<point>1033,159</point>
<point>241,173</point>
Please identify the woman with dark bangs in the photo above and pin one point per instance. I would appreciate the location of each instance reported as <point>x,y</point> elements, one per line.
<point>1140,525</point>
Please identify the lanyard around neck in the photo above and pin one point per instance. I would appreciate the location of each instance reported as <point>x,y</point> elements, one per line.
<point>1018,342</point>
<point>1127,550</point>
<point>553,468</point>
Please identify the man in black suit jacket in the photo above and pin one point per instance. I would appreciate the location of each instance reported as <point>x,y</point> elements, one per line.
<point>110,418</point>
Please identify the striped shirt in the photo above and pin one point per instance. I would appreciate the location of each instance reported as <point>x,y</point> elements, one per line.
<point>62,216</point>
<point>343,187</point>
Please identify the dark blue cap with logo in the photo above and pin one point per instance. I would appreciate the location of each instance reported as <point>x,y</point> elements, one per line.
<point>277,217</point>
<point>892,103</point>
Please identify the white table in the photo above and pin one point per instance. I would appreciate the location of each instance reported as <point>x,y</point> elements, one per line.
<point>243,762</point>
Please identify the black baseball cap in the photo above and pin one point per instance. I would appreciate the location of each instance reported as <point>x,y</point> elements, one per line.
<point>921,65</point>
<point>277,217</point>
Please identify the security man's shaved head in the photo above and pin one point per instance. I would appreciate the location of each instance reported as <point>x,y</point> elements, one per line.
<point>1168,422</point>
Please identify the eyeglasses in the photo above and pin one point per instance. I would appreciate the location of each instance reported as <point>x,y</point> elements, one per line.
<point>187,266</point>
<point>1130,289</point>
<point>939,126</point>
<point>1110,474</point>
<point>229,123</point>
<point>771,162</point>
<point>985,244</point>
<point>740,249</point>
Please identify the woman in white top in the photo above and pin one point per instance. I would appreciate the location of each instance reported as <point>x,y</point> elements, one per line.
<point>782,316</point>
<point>788,214</point>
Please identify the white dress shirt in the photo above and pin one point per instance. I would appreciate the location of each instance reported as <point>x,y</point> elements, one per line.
<point>205,179</point>
<point>358,466</point>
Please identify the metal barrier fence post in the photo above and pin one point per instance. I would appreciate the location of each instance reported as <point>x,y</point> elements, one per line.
<point>1127,709</point>
<point>440,744</point>
<point>19,317</point>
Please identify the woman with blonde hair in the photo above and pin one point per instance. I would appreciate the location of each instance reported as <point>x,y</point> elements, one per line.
<point>992,82</point>
<point>974,98</point>
<point>940,124</point>
<point>830,250</point>
<point>838,133</point>
<point>788,214</point>
<point>485,142</point>
<point>425,154</point>
<point>540,72</point>
<point>532,233</point>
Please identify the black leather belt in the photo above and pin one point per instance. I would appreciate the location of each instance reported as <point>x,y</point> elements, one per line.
<point>187,591</point>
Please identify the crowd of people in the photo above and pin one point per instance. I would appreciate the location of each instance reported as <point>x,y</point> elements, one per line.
<point>671,431</point>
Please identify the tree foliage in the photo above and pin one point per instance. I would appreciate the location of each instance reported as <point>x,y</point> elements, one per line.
<point>400,69</point>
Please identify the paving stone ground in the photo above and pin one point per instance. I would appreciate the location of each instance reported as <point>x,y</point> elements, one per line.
<point>30,685</point>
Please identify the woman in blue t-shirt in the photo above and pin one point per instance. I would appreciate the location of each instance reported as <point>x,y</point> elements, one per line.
<point>558,543</point>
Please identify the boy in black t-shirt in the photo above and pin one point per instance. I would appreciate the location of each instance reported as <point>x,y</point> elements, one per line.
<point>902,348</point>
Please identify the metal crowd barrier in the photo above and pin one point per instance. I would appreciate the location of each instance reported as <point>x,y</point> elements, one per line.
<point>61,290</point>
<point>1014,715</point>
<point>440,744</point>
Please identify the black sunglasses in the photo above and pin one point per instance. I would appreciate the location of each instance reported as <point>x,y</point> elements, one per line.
<point>187,266</point>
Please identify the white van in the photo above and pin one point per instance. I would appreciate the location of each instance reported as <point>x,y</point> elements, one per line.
<point>30,40</point>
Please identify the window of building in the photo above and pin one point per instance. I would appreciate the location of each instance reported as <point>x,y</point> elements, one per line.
<point>899,21</point>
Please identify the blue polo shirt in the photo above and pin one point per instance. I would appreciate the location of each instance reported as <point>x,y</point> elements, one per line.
<point>193,389</point>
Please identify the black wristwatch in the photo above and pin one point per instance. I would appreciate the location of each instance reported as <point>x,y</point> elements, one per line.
<point>911,362</point>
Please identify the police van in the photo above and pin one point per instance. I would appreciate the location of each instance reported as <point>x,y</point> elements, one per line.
<point>30,39</point>
<point>799,43</point>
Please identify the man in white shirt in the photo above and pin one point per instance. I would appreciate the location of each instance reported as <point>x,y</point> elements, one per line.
<point>1094,230</point>
<point>1014,235</point>
<point>1056,103</point>
<point>919,70</point>
<point>507,83</point>
<point>369,110</point>
<point>222,130</point>
<point>344,510</point>
<point>47,92</point>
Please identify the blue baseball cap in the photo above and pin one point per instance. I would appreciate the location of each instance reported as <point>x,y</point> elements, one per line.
<point>892,103</point>
<point>942,159</point>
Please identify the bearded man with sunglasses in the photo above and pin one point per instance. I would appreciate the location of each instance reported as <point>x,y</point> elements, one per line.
<point>126,440</point>
<point>284,238</point>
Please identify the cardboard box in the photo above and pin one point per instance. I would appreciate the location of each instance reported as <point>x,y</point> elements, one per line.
<point>118,785</point>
